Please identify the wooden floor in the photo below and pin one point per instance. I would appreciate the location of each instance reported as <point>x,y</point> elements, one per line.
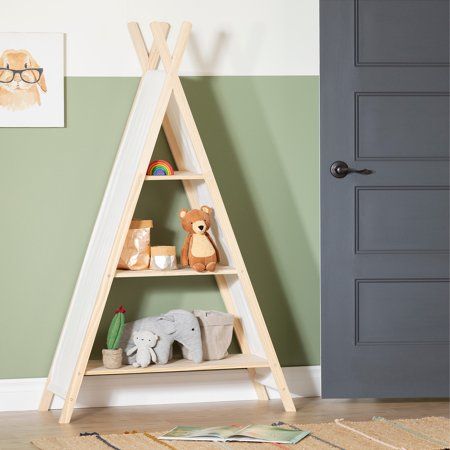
<point>17,429</point>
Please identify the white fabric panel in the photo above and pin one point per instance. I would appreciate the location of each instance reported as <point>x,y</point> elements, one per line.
<point>190,162</point>
<point>256,347</point>
<point>235,37</point>
<point>104,232</point>
<point>205,198</point>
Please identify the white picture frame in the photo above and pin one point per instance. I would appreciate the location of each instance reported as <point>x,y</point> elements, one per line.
<point>32,98</point>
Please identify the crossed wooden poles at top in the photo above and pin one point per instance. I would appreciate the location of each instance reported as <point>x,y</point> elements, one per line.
<point>149,60</point>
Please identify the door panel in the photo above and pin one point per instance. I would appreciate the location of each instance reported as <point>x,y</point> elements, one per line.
<point>402,219</point>
<point>401,311</point>
<point>401,32</point>
<point>402,126</point>
<point>385,236</point>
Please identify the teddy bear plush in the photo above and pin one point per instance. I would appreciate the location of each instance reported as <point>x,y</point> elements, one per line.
<point>199,250</point>
<point>144,341</point>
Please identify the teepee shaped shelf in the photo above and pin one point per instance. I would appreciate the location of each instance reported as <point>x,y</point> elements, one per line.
<point>160,101</point>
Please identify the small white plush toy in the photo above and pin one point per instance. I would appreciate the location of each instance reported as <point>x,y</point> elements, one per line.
<point>144,341</point>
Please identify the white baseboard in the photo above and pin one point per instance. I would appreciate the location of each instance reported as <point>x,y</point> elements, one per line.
<point>23,394</point>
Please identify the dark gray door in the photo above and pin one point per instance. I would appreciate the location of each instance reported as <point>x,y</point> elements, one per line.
<point>385,235</point>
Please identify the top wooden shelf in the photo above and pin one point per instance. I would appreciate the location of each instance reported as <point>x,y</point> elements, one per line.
<point>178,175</point>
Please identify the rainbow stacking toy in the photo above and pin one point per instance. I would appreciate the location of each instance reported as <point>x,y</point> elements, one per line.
<point>160,168</point>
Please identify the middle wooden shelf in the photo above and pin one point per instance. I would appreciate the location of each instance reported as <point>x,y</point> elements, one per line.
<point>181,272</point>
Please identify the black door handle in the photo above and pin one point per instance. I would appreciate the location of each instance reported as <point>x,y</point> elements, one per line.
<point>340,169</point>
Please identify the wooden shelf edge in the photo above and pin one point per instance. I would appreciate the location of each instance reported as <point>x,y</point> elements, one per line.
<point>220,270</point>
<point>178,175</point>
<point>237,361</point>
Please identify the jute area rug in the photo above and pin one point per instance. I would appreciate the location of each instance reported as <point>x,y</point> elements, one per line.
<point>377,434</point>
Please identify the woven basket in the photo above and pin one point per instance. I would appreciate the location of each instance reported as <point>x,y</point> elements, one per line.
<point>217,331</point>
<point>112,359</point>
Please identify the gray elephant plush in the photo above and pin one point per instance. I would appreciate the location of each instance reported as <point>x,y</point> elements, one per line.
<point>176,325</point>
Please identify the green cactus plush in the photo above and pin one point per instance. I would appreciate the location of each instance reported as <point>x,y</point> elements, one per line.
<point>116,328</point>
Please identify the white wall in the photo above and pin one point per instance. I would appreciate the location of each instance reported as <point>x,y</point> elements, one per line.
<point>232,37</point>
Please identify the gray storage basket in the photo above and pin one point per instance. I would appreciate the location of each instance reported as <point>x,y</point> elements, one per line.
<point>217,331</point>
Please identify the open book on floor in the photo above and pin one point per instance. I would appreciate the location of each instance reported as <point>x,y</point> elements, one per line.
<point>248,433</point>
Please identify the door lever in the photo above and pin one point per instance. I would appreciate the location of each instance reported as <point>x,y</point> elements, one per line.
<point>340,169</point>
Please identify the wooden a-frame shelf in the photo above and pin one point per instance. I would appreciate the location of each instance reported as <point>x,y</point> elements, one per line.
<point>237,361</point>
<point>220,270</point>
<point>178,175</point>
<point>160,101</point>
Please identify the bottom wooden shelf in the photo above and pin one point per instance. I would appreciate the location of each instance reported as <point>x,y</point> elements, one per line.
<point>238,361</point>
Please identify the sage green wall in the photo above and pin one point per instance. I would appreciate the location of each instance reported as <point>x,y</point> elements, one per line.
<point>261,135</point>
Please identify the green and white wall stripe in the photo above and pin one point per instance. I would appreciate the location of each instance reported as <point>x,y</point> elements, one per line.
<point>251,37</point>
<point>251,76</point>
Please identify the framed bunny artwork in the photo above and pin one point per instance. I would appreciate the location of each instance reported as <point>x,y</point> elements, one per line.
<point>31,80</point>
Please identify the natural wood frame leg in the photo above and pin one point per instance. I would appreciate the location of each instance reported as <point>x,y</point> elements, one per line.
<point>210,181</point>
<point>260,389</point>
<point>83,357</point>
<point>46,398</point>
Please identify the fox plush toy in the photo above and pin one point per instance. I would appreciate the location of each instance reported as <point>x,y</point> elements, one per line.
<point>199,250</point>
